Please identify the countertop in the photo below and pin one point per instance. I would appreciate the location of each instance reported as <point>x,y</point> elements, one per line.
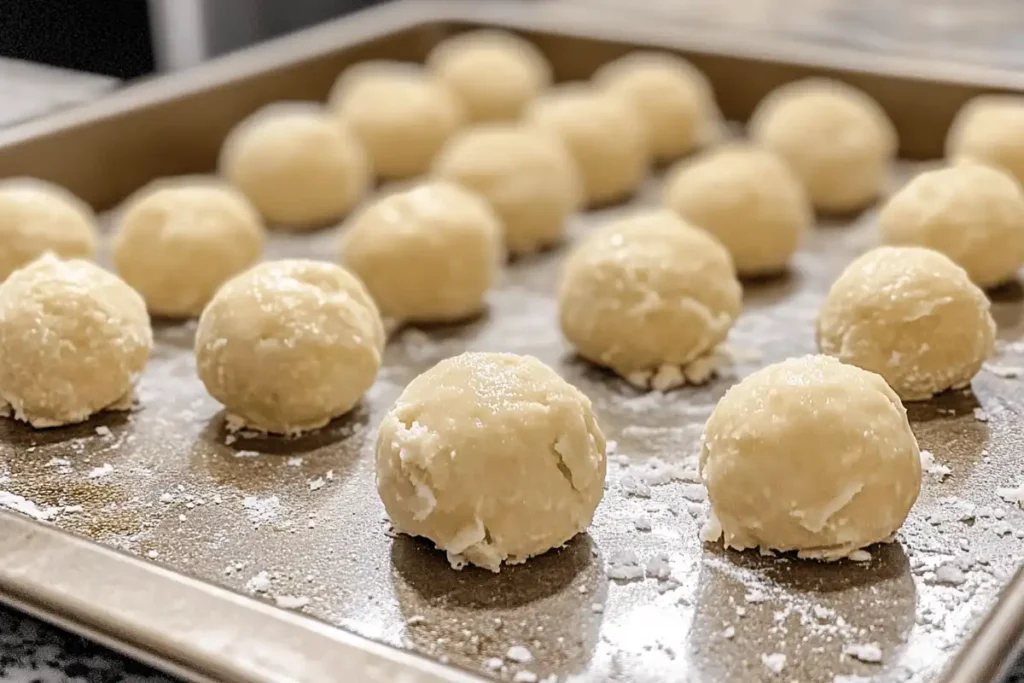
<point>33,652</point>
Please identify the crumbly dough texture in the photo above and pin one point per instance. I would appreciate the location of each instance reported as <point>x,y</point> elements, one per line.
<point>989,129</point>
<point>748,198</point>
<point>37,217</point>
<point>401,115</point>
<point>810,455</point>
<point>838,140</point>
<point>524,172</point>
<point>73,341</point>
<point>297,164</point>
<point>493,457</point>
<point>972,213</point>
<point>178,240</point>
<point>428,254</point>
<point>494,74</point>
<point>912,316</point>
<point>674,99</point>
<point>289,345</point>
<point>605,135</point>
<point>646,292</point>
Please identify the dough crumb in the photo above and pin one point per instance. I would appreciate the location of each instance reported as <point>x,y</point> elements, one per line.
<point>519,654</point>
<point>865,652</point>
<point>774,662</point>
<point>936,469</point>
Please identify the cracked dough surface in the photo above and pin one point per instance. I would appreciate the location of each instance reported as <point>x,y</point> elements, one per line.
<point>73,340</point>
<point>428,254</point>
<point>746,197</point>
<point>297,164</point>
<point>494,74</point>
<point>604,134</point>
<point>401,115</point>
<point>37,217</point>
<point>912,316</point>
<point>836,138</point>
<point>289,345</point>
<point>972,213</point>
<point>648,291</point>
<point>525,173</point>
<point>493,457</point>
<point>810,455</point>
<point>179,240</point>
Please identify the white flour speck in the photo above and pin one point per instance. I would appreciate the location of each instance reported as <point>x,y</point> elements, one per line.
<point>259,583</point>
<point>775,662</point>
<point>100,471</point>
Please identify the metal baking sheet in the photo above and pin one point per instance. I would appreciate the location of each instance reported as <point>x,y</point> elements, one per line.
<point>297,523</point>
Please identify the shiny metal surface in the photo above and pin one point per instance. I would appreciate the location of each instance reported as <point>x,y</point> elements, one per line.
<point>297,521</point>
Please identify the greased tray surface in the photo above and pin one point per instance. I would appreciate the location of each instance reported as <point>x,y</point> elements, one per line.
<point>298,522</point>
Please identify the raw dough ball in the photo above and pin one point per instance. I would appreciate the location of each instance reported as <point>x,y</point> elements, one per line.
<point>836,138</point>
<point>179,240</point>
<point>287,346</point>
<point>526,174</point>
<point>911,315</point>
<point>493,73</point>
<point>746,197</point>
<point>37,217</point>
<point>298,166</point>
<point>402,117</point>
<point>493,457</point>
<point>809,455</point>
<point>972,213</point>
<point>674,100</point>
<point>428,254</point>
<point>989,129</point>
<point>649,297</point>
<point>604,134</point>
<point>73,340</point>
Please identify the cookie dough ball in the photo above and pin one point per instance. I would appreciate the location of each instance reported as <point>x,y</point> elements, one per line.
<point>604,134</point>
<point>809,455</point>
<point>972,213</point>
<point>298,166</point>
<point>493,457</point>
<point>837,139</point>
<point>649,297</point>
<point>912,316</point>
<point>524,172</point>
<point>428,254</point>
<point>746,197</point>
<point>400,114</point>
<point>287,346</point>
<point>493,73</point>
<point>674,99</point>
<point>73,341</point>
<point>37,217</point>
<point>178,241</point>
<point>989,129</point>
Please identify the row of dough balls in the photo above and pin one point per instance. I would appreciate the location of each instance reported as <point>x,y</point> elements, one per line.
<point>781,453</point>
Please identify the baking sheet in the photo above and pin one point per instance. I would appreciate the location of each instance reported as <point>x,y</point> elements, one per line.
<point>297,522</point>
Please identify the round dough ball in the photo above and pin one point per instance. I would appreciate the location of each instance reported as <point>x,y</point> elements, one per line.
<point>494,74</point>
<point>604,134</point>
<point>178,241</point>
<point>989,129</point>
<point>428,254</point>
<point>493,457</point>
<point>37,217</point>
<point>809,455</point>
<point>912,316</point>
<point>837,139</point>
<point>287,346</point>
<point>648,296</point>
<point>746,197</point>
<point>674,99</point>
<point>972,213</point>
<point>524,172</point>
<point>299,166</point>
<point>73,341</point>
<point>400,114</point>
